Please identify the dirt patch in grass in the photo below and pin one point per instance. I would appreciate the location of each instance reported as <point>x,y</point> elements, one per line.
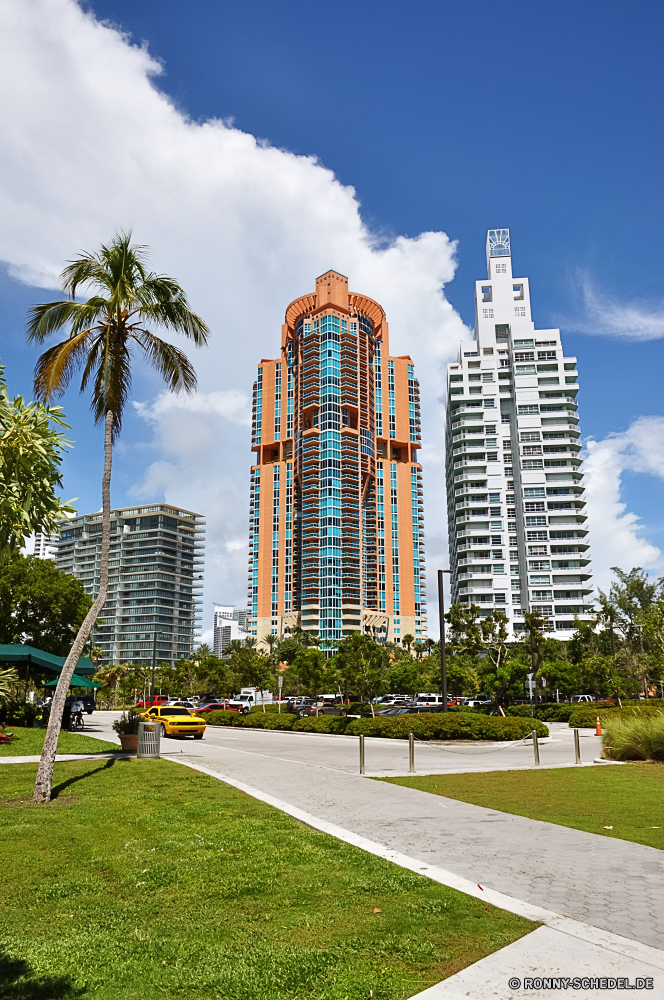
<point>63,800</point>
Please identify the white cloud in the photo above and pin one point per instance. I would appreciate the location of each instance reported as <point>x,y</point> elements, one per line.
<point>606,317</point>
<point>616,534</point>
<point>91,145</point>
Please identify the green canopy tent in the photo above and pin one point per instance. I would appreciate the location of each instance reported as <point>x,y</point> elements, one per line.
<point>19,654</point>
<point>76,682</point>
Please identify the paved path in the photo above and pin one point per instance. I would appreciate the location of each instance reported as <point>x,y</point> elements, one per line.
<point>610,884</point>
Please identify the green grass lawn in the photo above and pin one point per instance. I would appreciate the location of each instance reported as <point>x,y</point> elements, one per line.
<point>629,799</point>
<point>145,879</point>
<point>31,741</point>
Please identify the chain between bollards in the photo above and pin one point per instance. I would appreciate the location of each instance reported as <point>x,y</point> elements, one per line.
<point>411,753</point>
<point>361,753</point>
<point>535,747</point>
<point>577,747</point>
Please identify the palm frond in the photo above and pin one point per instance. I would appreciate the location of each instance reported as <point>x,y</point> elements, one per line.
<point>172,364</point>
<point>85,270</point>
<point>56,366</point>
<point>127,299</point>
<point>52,316</point>
<point>163,301</point>
<point>112,381</point>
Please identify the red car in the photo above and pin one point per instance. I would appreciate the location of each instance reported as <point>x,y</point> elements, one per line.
<point>159,699</point>
<point>215,706</point>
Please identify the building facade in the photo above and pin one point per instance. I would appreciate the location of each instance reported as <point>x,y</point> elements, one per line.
<point>155,579</point>
<point>336,519</point>
<point>44,547</point>
<point>229,623</point>
<point>518,531</point>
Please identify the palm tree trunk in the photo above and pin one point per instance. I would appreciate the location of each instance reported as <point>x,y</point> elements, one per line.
<point>42,792</point>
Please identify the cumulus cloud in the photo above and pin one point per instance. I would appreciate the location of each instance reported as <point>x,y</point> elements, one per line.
<point>616,533</point>
<point>90,144</point>
<point>605,316</point>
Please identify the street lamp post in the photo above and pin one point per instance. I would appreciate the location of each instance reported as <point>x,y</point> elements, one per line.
<point>441,616</point>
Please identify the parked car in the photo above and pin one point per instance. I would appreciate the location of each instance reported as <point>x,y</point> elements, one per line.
<point>582,697</point>
<point>479,702</point>
<point>215,706</point>
<point>299,706</point>
<point>158,699</point>
<point>179,702</point>
<point>428,699</point>
<point>176,721</point>
<point>323,708</point>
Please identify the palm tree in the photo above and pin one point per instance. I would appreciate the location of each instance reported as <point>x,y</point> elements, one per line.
<point>127,301</point>
<point>408,641</point>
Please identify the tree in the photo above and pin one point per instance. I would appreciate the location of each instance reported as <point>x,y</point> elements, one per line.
<point>310,667</point>
<point>128,301</point>
<point>8,679</point>
<point>364,664</point>
<point>31,450</point>
<point>39,604</point>
<point>271,641</point>
<point>497,671</point>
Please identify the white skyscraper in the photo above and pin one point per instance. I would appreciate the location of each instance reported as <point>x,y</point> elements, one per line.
<point>516,506</point>
<point>229,623</point>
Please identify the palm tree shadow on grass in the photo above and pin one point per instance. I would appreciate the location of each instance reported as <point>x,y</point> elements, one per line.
<point>59,789</point>
<point>19,982</point>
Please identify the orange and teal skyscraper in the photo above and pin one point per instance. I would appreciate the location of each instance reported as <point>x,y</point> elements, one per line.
<point>336,522</point>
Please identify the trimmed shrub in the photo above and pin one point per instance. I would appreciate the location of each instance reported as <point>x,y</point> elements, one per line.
<point>272,721</point>
<point>634,739</point>
<point>438,726</point>
<point>586,717</point>
<point>425,726</point>
<point>323,724</point>
<point>220,718</point>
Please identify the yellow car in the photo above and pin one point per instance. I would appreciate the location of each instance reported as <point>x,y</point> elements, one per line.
<point>176,721</point>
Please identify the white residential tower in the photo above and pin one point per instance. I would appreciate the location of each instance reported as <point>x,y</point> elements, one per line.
<point>516,505</point>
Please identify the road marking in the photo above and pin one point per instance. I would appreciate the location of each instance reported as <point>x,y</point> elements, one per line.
<point>288,760</point>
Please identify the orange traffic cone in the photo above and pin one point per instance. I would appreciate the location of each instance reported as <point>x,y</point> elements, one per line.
<point>598,728</point>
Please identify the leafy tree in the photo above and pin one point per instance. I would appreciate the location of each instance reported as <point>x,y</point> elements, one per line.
<point>8,679</point>
<point>39,604</point>
<point>310,666</point>
<point>404,676</point>
<point>31,451</point>
<point>127,303</point>
<point>364,664</point>
<point>287,649</point>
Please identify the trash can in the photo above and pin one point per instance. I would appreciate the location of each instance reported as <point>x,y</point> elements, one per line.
<point>148,740</point>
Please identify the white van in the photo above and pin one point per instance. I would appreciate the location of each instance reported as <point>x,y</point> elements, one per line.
<point>428,699</point>
<point>248,697</point>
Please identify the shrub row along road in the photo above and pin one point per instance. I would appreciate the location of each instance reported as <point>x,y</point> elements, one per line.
<point>608,883</point>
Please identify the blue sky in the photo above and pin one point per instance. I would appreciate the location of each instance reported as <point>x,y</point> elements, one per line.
<point>444,117</point>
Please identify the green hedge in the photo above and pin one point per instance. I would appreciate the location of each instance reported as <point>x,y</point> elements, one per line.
<point>425,726</point>
<point>436,726</point>
<point>586,717</point>
<point>557,712</point>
